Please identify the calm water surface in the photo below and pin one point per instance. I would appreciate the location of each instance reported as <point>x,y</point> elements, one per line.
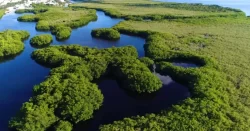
<point>19,75</point>
<point>243,5</point>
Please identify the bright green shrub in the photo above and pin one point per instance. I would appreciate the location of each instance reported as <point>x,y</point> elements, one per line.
<point>43,25</point>
<point>11,42</point>
<point>79,101</point>
<point>33,117</point>
<point>63,126</point>
<point>27,18</point>
<point>106,33</point>
<point>148,62</point>
<point>41,40</point>
<point>61,32</point>
<point>20,11</point>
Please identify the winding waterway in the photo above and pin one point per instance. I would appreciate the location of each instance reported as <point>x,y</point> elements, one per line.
<point>20,74</point>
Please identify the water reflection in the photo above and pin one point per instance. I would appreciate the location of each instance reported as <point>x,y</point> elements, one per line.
<point>120,103</point>
<point>185,64</point>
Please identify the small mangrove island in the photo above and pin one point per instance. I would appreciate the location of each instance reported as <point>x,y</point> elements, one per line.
<point>41,40</point>
<point>12,42</point>
<point>106,33</point>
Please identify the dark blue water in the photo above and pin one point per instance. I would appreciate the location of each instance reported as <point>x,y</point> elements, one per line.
<point>237,4</point>
<point>119,103</point>
<point>185,64</point>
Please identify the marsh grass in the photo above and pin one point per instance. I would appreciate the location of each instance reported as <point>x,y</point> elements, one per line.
<point>146,9</point>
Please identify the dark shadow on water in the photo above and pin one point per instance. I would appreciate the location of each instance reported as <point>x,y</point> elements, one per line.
<point>119,103</point>
<point>186,64</point>
<point>9,58</point>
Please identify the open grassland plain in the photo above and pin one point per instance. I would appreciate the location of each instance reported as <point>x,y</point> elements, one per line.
<point>219,88</point>
<point>58,19</point>
<point>144,9</point>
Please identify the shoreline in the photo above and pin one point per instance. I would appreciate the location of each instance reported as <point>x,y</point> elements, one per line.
<point>28,4</point>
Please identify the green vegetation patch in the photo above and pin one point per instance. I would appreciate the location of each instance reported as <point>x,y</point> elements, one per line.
<point>41,40</point>
<point>144,9</point>
<point>68,94</point>
<point>59,19</point>
<point>63,126</point>
<point>2,12</point>
<point>11,42</point>
<point>61,32</point>
<point>106,33</point>
<point>219,88</point>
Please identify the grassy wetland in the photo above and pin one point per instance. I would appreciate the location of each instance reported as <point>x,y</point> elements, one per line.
<point>215,38</point>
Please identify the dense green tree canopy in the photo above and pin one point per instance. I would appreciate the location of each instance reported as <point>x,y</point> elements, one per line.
<point>11,42</point>
<point>106,33</point>
<point>63,126</point>
<point>41,40</point>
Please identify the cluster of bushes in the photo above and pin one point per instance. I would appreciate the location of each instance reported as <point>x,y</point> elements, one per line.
<point>135,75</point>
<point>106,33</point>
<point>11,42</point>
<point>35,11</point>
<point>61,32</point>
<point>57,19</point>
<point>68,95</point>
<point>119,62</point>
<point>41,40</point>
<point>20,11</point>
<point>60,97</point>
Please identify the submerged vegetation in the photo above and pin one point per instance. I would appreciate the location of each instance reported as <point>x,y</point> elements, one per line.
<point>41,40</point>
<point>213,37</point>
<point>60,20</point>
<point>11,42</point>
<point>106,33</point>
